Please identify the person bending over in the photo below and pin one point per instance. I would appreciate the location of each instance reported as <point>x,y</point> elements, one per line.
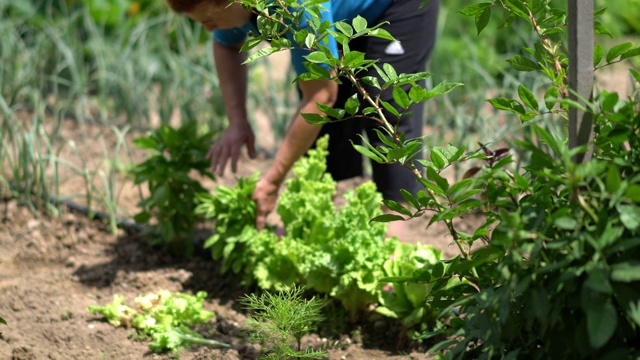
<point>414,30</point>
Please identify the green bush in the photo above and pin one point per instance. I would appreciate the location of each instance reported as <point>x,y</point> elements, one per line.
<point>175,153</point>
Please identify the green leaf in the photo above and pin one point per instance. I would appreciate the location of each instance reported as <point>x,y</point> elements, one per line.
<point>565,223</point>
<point>315,119</point>
<point>330,111</point>
<point>359,24</point>
<point>261,54</point>
<point>460,186</point>
<point>617,50</point>
<point>598,281</point>
<point>630,216</point>
<point>410,199</point>
<point>550,98</point>
<point>437,160</point>
<point>354,59</point>
<point>300,37</point>
<point>633,193</point>
<point>518,8</point>
<point>145,143</point>
<point>309,40</point>
<point>610,101</point>
<point>371,81</point>
<point>600,29</point>
<point>631,53</point>
<point>474,9</point>
<point>598,54</point>
<point>317,57</point>
<point>397,207</point>
<point>401,97</point>
<point>344,28</point>
<point>527,97</point>
<point>352,105</point>
<point>602,320</point>
<point>507,104</point>
<point>368,153</point>
<point>635,74</point>
<point>482,19</point>
<point>250,44</point>
<point>142,217</point>
<point>390,71</point>
<point>387,218</point>
<point>626,272</point>
<point>613,180</point>
<point>442,183</point>
<point>457,153</point>
<point>441,89</point>
<point>521,63</point>
<point>382,34</point>
<point>390,108</point>
<point>548,139</point>
<point>417,93</point>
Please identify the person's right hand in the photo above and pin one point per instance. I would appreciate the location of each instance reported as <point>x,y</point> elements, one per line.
<point>229,146</point>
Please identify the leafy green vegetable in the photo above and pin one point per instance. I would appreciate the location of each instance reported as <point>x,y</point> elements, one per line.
<point>331,251</point>
<point>408,301</point>
<point>116,313</point>
<point>163,316</point>
<point>234,213</point>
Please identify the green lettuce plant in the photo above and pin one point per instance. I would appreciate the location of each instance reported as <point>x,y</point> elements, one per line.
<point>330,251</point>
<point>407,301</point>
<point>234,215</point>
<point>165,317</point>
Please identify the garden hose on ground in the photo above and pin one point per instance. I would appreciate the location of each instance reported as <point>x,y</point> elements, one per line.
<point>128,226</point>
<point>125,224</point>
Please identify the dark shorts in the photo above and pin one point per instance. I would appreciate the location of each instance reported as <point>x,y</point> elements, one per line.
<point>415,29</point>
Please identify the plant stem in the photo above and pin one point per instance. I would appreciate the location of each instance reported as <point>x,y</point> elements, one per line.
<point>202,341</point>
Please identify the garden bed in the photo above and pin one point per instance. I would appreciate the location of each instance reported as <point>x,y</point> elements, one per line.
<point>52,269</point>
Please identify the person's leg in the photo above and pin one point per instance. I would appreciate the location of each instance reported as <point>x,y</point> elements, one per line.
<point>415,32</point>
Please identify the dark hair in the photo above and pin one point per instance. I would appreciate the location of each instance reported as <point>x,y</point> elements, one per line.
<point>182,6</point>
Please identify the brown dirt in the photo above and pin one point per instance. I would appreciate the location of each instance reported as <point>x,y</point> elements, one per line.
<point>52,268</point>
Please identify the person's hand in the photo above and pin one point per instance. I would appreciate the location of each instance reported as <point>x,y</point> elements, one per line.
<point>265,196</point>
<point>229,146</point>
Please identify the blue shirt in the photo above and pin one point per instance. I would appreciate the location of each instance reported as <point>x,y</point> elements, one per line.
<point>337,10</point>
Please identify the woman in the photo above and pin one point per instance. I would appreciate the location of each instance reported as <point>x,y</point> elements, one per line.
<point>414,30</point>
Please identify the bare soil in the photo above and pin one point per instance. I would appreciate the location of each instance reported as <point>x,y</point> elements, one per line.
<point>52,268</point>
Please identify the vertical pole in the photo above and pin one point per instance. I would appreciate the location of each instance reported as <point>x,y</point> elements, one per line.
<point>581,72</point>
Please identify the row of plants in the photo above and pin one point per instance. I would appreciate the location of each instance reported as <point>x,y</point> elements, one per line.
<point>329,251</point>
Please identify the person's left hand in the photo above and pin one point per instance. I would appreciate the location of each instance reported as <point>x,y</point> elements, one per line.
<point>265,195</point>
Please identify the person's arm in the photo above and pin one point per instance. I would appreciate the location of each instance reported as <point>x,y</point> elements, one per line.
<point>233,84</point>
<point>299,138</point>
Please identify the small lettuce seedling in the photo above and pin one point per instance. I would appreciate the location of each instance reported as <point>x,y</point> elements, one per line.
<point>163,316</point>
